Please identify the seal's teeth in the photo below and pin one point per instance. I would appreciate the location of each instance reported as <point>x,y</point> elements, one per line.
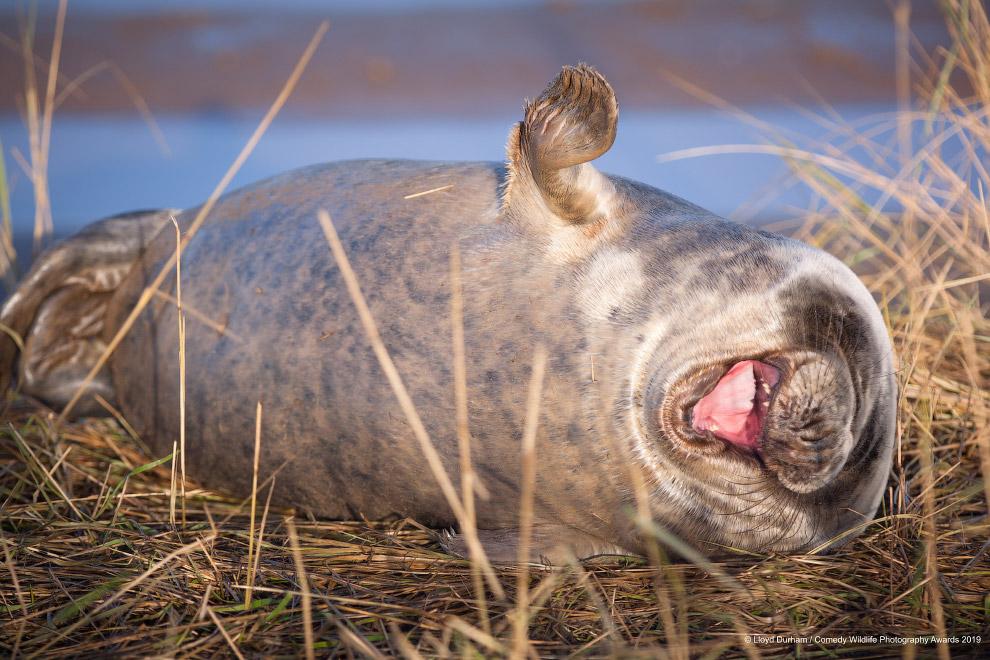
<point>736,408</point>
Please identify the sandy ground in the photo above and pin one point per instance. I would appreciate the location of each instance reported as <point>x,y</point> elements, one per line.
<point>750,52</point>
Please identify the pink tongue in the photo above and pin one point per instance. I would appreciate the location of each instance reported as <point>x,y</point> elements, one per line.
<point>735,410</point>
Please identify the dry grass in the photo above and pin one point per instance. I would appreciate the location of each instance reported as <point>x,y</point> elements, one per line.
<point>111,576</point>
<point>97,564</point>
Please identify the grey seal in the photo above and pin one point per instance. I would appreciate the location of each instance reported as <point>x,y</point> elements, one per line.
<point>745,379</point>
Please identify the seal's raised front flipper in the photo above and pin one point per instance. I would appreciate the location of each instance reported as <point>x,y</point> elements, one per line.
<point>571,123</point>
<point>58,310</point>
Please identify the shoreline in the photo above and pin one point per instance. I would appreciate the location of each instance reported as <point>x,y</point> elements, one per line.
<point>479,62</point>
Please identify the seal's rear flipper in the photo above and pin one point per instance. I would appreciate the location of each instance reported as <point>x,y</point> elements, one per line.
<point>59,308</point>
<point>571,123</point>
<point>548,543</point>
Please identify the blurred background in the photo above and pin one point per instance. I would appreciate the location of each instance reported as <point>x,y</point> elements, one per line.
<point>169,92</point>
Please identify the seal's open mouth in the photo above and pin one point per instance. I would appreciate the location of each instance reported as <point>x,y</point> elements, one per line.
<point>736,409</point>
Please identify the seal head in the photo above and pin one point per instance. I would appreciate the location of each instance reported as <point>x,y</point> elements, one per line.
<point>776,429</point>
<point>752,375</point>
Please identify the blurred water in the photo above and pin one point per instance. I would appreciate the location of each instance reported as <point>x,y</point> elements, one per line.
<point>124,7</point>
<point>102,166</point>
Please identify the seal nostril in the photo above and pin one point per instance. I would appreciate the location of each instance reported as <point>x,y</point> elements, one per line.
<point>815,434</point>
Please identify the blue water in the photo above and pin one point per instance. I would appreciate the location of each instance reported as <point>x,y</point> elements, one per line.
<point>102,166</point>
<point>123,7</point>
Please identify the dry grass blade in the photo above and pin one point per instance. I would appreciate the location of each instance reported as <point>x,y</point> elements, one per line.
<point>200,316</point>
<point>406,649</point>
<point>428,192</point>
<point>468,483</point>
<point>357,643</point>
<point>307,599</point>
<point>197,222</point>
<point>46,121</point>
<point>425,444</point>
<point>35,171</point>
<point>254,508</point>
<point>520,638</point>
<point>9,270</point>
<point>181,318</point>
<point>223,631</point>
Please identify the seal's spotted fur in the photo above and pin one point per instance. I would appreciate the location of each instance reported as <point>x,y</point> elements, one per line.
<point>644,301</point>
